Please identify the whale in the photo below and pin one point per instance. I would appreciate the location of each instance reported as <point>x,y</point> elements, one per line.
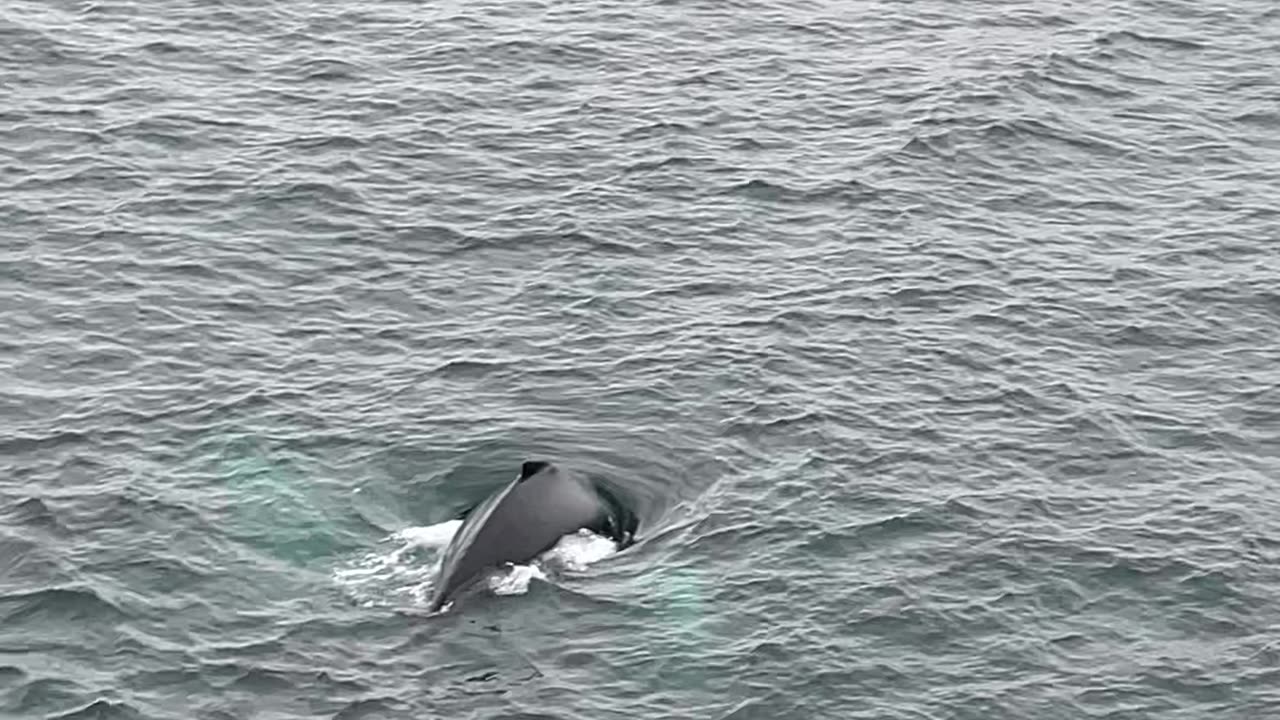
<point>524,519</point>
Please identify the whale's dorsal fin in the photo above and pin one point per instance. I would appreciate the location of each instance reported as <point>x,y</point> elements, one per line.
<point>531,468</point>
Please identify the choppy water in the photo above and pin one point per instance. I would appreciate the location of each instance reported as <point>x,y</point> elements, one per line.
<point>939,342</point>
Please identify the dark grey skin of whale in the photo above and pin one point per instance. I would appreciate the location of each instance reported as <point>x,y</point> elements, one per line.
<point>516,524</point>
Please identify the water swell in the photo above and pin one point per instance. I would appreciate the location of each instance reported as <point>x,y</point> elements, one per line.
<point>932,349</point>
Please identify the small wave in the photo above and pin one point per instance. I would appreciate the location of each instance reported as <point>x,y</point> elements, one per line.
<point>32,513</point>
<point>57,605</point>
<point>99,708</point>
<point>1116,37</point>
<point>329,70</point>
<point>161,47</point>
<point>656,129</point>
<point>850,191</point>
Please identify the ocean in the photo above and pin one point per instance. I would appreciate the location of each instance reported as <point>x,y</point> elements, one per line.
<point>936,345</point>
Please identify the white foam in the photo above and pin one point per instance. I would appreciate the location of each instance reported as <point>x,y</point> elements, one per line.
<point>577,551</point>
<point>514,579</point>
<point>428,537</point>
<point>402,573</point>
<point>406,572</point>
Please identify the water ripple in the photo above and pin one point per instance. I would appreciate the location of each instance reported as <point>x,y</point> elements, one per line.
<point>934,348</point>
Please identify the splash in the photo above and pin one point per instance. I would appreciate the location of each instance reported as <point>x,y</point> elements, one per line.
<point>404,568</point>
<point>430,537</point>
<point>401,569</point>
<point>577,551</point>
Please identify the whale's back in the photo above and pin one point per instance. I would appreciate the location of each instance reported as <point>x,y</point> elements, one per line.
<point>515,525</point>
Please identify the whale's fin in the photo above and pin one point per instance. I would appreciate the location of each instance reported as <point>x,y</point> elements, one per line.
<point>531,468</point>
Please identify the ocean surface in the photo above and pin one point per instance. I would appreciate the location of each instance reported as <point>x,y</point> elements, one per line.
<point>937,344</point>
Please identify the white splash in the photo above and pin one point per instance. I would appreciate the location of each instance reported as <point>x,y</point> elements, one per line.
<point>577,551</point>
<point>407,571</point>
<point>514,579</point>
<point>429,537</point>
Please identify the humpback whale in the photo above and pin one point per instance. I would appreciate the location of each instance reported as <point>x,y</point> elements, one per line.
<point>524,519</point>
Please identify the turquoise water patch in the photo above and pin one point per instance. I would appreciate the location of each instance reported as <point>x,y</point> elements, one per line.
<point>277,508</point>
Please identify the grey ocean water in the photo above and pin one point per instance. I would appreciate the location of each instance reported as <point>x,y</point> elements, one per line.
<point>938,342</point>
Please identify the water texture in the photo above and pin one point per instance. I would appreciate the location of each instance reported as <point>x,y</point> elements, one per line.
<point>938,342</point>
